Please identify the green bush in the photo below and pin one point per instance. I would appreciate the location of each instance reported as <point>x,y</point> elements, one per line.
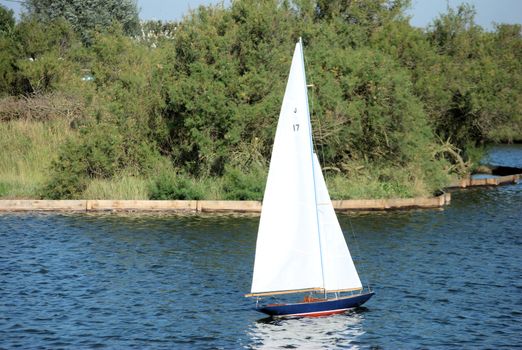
<point>64,186</point>
<point>69,174</point>
<point>169,185</point>
<point>100,152</point>
<point>238,185</point>
<point>39,58</point>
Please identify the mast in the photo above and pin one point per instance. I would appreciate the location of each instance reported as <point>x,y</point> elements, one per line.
<point>312,160</point>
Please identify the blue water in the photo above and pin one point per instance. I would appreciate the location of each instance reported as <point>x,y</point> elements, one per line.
<point>443,279</point>
<point>506,155</point>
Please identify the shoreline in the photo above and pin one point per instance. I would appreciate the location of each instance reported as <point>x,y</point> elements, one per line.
<point>224,206</point>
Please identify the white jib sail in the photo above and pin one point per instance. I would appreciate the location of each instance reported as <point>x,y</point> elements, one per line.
<point>287,250</point>
<point>338,268</point>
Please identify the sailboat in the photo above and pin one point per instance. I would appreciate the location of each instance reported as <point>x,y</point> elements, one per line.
<point>300,245</point>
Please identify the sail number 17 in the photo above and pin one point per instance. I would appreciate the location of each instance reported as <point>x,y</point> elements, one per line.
<point>296,127</point>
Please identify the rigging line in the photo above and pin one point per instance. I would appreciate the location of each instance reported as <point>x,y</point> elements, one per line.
<point>358,249</point>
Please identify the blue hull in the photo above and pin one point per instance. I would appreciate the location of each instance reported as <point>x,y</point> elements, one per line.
<point>316,308</point>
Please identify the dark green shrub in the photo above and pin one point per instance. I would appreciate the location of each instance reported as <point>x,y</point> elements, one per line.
<point>168,185</point>
<point>69,174</point>
<point>244,186</point>
<point>65,186</point>
<point>101,151</point>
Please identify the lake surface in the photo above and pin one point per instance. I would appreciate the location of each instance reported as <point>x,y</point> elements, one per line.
<point>443,279</point>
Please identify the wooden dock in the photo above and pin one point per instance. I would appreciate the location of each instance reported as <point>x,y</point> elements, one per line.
<point>206,206</point>
<point>493,181</point>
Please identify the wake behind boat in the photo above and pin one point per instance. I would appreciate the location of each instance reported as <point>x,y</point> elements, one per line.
<point>300,245</point>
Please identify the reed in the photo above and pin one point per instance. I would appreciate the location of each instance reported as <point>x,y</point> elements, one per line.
<point>369,186</point>
<point>119,188</point>
<point>127,187</point>
<point>27,150</point>
<point>212,188</point>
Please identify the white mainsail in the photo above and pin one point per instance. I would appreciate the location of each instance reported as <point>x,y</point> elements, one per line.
<point>289,254</point>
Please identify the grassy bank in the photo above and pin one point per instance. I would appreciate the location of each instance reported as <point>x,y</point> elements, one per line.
<point>29,148</point>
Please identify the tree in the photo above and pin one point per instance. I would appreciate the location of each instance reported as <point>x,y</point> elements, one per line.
<point>478,95</point>
<point>87,16</point>
<point>39,58</point>
<point>7,21</point>
<point>227,77</point>
<point>7,49</point>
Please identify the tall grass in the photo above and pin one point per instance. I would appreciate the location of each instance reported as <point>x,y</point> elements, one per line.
<point>131,187</point>
<point>121,187</point>
<point>375,182</point>
<point>27,149</point>
<point>341,187</point>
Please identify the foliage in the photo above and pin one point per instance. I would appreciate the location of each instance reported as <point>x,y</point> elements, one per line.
<point>100,152</point>
<point>7,20</point>
<point>223,85</point>
<point>244,186</point>
<point>396,110</point>
<point>7,60</point>
<point>168,185</point>
<point>34,57</point>
<point>68,180</point>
